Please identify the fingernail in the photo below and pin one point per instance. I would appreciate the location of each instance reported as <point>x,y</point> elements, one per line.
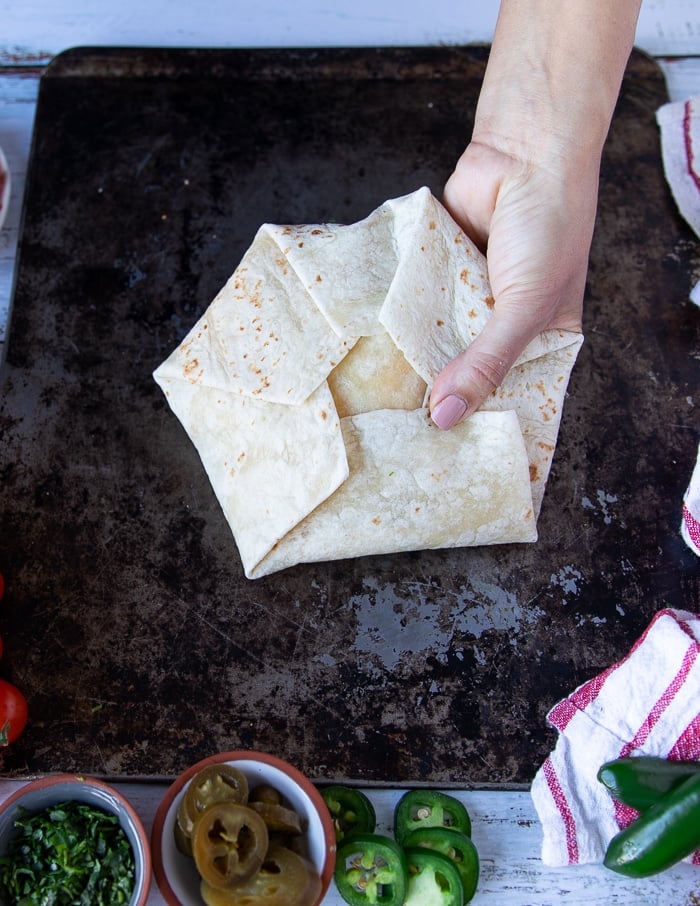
<point>448,412</point>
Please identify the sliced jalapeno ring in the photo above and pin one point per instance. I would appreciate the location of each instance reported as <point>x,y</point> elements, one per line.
<point>265,793</point>
<point>351,811</point>
<point>429,808</point>
<point>214,783</point>
<point>278,817</point>
<point>371,869</point>
<point>456,846</point>
<point>284,879</point>
<point>642,780</point>
<point>433,878</point>
<point>229,844</point>
<point>183,841</point>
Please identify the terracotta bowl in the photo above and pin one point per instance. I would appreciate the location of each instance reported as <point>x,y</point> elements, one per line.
<point>176,874</point>
<point>40,794</point>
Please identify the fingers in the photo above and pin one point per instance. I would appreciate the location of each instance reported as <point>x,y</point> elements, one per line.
<point>465,383</point>
<point>537,262</point>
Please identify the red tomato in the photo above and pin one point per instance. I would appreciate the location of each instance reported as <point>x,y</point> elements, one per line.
<point>13,712</point>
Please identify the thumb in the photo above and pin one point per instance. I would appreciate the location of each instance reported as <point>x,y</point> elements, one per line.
<point>464,384</point>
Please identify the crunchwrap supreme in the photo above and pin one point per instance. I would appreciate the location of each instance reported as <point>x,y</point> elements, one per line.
<point>303,388</point>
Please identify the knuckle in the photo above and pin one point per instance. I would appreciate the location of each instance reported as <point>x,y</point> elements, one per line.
<point>488,370</point>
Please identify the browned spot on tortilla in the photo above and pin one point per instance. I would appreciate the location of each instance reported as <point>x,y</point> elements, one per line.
<point>300,245</point>
<point>417,509</point>
<point>422,248</point>
<point>324,414</point>
<point>190,366</point>
<point>317,232</point>
<point>377,520</point>
<point>533,472</point>
<point>319,279</point>
<point>241,456</point>
<point>489,301</point>
<point>545,446</point>
<point>472,313</point>
<point>548,410</point>
<point>440,323</point>
<point>432,225</point>
<point>464,275</point>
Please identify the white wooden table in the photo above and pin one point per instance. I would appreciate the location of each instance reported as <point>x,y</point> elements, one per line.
<point>506,830</point>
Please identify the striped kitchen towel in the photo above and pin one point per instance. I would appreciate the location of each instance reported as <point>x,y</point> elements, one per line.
<point>690,525</point>
<point>679,124</point>
<point>646,704</point>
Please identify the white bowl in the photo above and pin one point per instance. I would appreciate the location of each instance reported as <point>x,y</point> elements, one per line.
<point>176,874</point>
<point>40,794</point>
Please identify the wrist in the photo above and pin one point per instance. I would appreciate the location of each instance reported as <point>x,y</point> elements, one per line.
<point>553,78</point>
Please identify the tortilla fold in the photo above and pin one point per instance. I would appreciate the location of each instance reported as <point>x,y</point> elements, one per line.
<point>303,388</point>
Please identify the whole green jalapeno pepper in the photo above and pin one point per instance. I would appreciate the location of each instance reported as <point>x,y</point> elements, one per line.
<point>666,832</point>
<point>642,780</point>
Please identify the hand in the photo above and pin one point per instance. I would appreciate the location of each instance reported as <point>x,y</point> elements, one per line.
<point>535,221</point>
<point>526,188</point>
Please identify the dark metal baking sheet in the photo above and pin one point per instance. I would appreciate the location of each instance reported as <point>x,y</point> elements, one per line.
<point>128,621</point>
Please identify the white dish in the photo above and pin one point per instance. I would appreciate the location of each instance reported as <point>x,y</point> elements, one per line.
<point>176,874</point>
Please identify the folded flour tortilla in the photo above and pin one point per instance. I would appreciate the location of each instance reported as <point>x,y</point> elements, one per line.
<point>303,388</point>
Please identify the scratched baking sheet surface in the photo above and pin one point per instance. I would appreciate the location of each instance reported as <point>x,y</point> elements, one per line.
<point>128,621</point>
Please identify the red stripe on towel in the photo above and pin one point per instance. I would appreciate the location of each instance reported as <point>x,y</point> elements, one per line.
<point>624,815</point>
<point>662,702</point>
<point>692,526</point>
<point>688,141</point>
<point>585,695</point>
<point>687,746</point>
<point>562,804</point>
<point>580,699</point>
